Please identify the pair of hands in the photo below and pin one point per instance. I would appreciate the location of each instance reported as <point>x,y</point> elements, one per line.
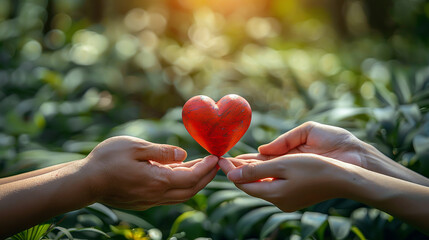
<point>304,166</point>
<point>313,163</point>
<point>131,173</point>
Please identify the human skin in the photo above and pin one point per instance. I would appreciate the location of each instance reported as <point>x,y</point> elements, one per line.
<point>301,180</point>
<point>123,172</point>
<point>337,143</point>
<point>316,162</point>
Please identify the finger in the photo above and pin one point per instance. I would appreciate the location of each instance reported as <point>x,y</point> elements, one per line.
<point>226,165</point>
<point>240,162</point>
<point>187,164</point>
<point>257,156</point>
<point>184,194</point>
<point>264,190</point>
<point>287,141</point>
<point>255,171</point>
<point>162,153</point>
<point>183,177</point>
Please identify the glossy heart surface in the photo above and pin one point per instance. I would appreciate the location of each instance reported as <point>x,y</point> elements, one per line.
<point>217,127</point>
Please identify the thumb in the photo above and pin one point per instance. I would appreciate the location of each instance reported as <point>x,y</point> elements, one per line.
<point>161,153</point>
<point>288,141</point>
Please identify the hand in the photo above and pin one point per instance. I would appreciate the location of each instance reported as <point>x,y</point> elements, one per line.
<point>290,182</point>
<point>312,137</point>
<point>135,174</point>
<point>123,172</point>
<point>295,181</point>
<point>336,143</point>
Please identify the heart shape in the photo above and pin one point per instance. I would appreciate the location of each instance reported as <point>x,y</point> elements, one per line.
<point>217,127</point>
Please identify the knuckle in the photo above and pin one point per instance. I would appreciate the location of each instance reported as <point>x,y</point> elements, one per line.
<point>191,183</point>
<point>310,123</point>
<point>250,171</point>
<point>308,126</point>
<point>159,184</point>
<point>164,152</point>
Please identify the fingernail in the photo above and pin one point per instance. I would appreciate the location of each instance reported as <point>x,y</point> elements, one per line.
<point>235,175</point>
<point>179,155</point>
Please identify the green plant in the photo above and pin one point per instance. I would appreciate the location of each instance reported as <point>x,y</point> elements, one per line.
<point>35,233</point>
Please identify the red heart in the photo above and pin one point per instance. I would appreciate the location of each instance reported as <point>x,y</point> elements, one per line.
<point>217,127</point>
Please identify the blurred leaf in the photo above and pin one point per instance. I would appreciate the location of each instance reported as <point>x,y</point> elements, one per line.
<point>358,233</point>
<point>61,232</point>
<point>221,184</point>
<point>89,220</point>
<point>68,231</point>
<point>420,96</point>
<point>191,224</point>
<point>235,206</point>
<point>198,202</point>
<point>52,78</point>
<point>340,226</point>
<point>385,95</point>
<point>17,125</point>
<point>79,147</point>
<point>421,144</point>
<point>402,87</point>
<point>221,197</point>
<point>411,113</point>
<point>184,216</point>
<point>310,222</point>
<point>133,219</point>
<point>100,208</point>
<point>339,114</point>
<point>41,158</point>
<point>247,221</point>
<point>275,220</point>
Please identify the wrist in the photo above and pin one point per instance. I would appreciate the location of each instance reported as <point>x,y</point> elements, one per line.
<point>94,179</point>
<point>380,163</point>
<point>374,160</point>
<point>346,181</point>
<point>369,187</point>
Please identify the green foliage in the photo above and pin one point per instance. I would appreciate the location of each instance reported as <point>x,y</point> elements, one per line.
<point>68,80</point>
<point>34,233</point>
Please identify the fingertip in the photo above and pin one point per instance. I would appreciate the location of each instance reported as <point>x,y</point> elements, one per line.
<point>221,161</point>
<point>212,158</point>
<point>225,165</point>
<point>235,175</point>
<point>179,154</point>
<point>262,148</point>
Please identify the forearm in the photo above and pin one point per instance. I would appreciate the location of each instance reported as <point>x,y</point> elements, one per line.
<point>29,201</point>
<point>378,162</point>
<point>402,199</point>
<point>33,173</point>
